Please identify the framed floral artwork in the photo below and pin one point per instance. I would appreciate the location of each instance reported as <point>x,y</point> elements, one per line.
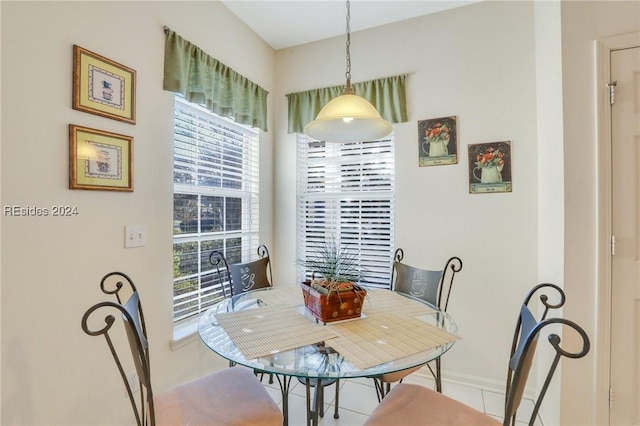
<point>100,160</point>
<point>490,167</point>
<point>437,141</point>
<point>103,87</point>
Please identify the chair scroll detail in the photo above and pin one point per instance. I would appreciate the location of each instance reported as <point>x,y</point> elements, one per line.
<point>227,397</point>
<point>451,268</point>
<point>219,262</point>
<point>524,346</point>
<point>263,252</point>
<point>117,284</point>
<point>519,373</point>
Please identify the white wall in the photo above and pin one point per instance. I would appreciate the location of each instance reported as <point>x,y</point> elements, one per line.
<point>550,178</point>
<point>583,22</point>
<point>476,62</point>
<point>52,373</point>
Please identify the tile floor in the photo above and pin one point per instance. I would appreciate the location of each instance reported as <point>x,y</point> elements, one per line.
<point>358,399</point>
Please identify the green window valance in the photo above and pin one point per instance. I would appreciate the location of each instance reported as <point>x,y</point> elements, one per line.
<point>204,80</point>
<point>388,95</point>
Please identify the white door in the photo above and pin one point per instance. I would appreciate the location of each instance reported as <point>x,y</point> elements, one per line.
<point>625,263</point>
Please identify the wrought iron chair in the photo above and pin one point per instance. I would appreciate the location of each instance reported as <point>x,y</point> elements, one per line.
<point>431,286</point>
<point>232,396</point>
<point>417,405</point>
<point>239,278</point>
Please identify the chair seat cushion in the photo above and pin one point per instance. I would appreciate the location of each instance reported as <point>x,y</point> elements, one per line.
<point>414,405</point>
<point>233,396</point>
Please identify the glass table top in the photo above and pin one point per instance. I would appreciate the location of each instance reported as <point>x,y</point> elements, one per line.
<point>317,360</point>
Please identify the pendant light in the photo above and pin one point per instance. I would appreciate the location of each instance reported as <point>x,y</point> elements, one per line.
<point>348,118</point>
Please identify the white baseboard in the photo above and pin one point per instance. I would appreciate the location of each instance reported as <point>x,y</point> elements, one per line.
<point>465,380</point>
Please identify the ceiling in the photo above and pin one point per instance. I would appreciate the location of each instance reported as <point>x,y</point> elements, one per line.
<point>289,23</point>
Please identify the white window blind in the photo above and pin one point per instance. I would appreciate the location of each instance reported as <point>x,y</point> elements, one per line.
<point>215,202</point>
<point>346,193</point>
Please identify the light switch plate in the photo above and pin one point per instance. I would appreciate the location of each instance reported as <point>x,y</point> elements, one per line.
<point>135,236</point>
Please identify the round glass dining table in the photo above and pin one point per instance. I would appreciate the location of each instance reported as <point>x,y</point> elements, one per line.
<point>312,361</point>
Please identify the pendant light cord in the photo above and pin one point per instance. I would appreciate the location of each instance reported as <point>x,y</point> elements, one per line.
<point>348,89</point>
<point>349,117</point>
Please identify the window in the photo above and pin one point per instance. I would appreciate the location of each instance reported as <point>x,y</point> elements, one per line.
<point>215,202</point>
<point>346,192</point>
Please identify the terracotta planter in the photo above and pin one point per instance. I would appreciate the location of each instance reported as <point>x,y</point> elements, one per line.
<point>334,306</point>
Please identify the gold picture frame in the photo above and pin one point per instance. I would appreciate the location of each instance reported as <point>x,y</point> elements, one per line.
<point>103,87</point>
<point>100,160</point>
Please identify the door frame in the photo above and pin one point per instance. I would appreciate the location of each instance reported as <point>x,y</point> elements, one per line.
<point>604,47</point>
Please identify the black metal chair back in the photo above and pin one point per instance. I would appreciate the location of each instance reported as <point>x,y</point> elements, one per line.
<point>128,307</point>
<point>238,278</point>
<point>524,346</point>
<point>432,286</point>
<point>252,275</point>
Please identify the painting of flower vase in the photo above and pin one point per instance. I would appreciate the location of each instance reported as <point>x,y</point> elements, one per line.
<point>437,141</point>
<point>490,167</point>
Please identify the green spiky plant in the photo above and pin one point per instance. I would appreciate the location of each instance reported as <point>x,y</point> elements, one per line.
<point>337,266</point>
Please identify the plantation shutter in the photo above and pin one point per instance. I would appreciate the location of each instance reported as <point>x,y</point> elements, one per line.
<point>346,192</point>
<point>215,202</point>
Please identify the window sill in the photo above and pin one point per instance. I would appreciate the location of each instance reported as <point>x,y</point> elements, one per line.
<point>184,333</point>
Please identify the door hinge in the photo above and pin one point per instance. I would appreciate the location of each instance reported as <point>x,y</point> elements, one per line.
<point>613,245</point>
<point>610,397</point>
<point>612,92</point>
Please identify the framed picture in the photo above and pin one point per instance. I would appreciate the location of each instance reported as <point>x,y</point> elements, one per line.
<point>100,160</point>
<point>437,141</point>
<point>490,167</point>
<point>103,87</point>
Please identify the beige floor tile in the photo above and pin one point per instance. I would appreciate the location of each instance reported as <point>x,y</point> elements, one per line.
<point>347,418</point>
<point>276,394</point>
<point>357,397</point>
<point>297,410</point>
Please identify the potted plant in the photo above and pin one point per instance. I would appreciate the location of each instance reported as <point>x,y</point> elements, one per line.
<point>333,293</point>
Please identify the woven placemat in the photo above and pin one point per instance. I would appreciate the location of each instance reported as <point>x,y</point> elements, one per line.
<point>282,296</point>
<point>385,337</point>
<point>268,330</point>
<point>382,301</point>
